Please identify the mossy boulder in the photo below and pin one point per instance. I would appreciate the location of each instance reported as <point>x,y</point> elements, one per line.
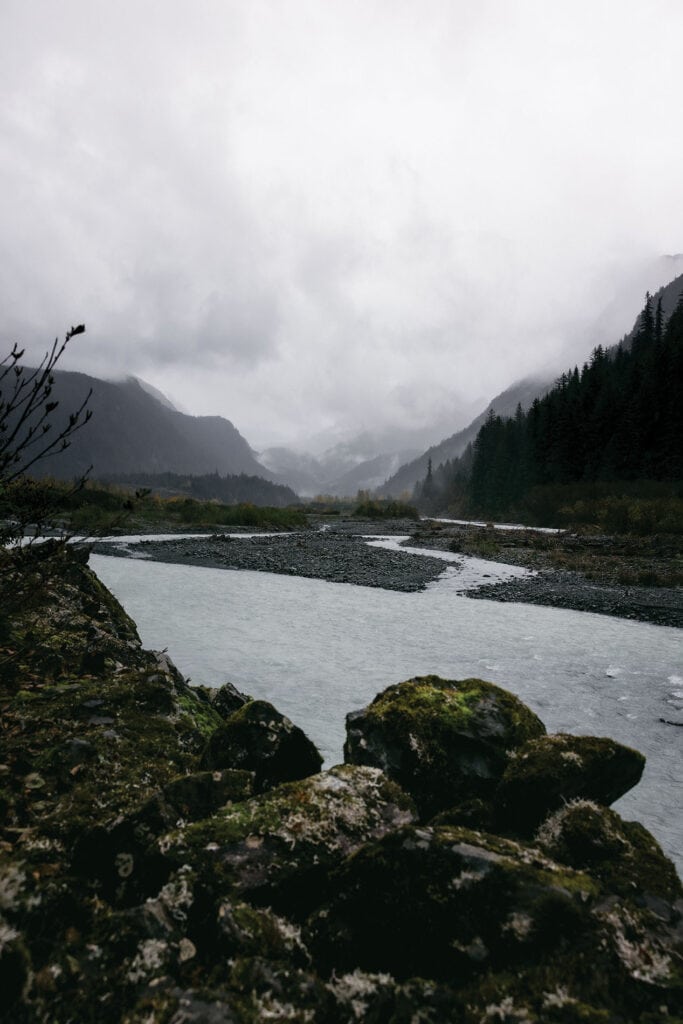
<point>277,849</point>
<point>117,857</point>
<point>622,855</point>
<point>445,902</point>
<point>511,935</point>
<point>552,770</point>
<point>259,739</point>
<point>442,740</point>
<point>68,623</point>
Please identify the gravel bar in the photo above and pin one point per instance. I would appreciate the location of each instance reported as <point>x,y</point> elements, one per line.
<point>662,606</point>
<point>334,556</point>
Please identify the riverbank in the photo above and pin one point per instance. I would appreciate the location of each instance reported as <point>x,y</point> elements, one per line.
<point>637,578</point>
<point>195,864</point>
<point>338,556</point>
<point>632,578</point>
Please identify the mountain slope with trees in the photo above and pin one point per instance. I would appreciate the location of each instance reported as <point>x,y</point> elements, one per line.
<point>618,419</point>
<point>407,476</point>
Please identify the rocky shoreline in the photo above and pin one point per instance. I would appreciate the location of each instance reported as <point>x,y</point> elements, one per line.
<point>583,574</point>
<point>173,855</point>
<point>335,556</point>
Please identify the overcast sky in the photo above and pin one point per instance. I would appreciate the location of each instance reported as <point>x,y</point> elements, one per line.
<point>313,214</point>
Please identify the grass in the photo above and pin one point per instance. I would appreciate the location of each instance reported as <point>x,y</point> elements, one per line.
<point>102,508</point>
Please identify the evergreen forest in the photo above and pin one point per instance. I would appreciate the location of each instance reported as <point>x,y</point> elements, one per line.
<point>615,427</point>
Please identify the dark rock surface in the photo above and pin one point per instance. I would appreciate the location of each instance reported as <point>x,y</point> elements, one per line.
<point>552,770</point>
<point>227,699</point>
<point>442,740</point>
<point>137,888</point>
<point>259,739</point>
<point>622,855</point>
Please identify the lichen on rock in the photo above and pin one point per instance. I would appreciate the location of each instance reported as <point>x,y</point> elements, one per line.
<point>442,740</point>
<point>144,882</point>
<point>549,771</point>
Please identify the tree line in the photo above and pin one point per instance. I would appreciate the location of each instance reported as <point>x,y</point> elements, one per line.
<point>619,418</point>
<point>231,489</point>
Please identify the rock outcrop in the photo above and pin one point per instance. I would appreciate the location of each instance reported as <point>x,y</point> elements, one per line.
<point>156,867</point>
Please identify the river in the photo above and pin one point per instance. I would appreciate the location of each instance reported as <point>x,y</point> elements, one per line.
<point>318,650</point>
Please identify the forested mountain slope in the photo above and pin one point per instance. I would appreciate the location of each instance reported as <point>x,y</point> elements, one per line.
<point>504,404</point>
<point>618,419</point>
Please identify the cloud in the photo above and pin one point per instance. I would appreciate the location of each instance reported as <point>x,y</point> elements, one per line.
<point>340,215</point>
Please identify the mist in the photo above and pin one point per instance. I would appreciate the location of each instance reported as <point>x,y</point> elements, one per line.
<point>318,219</point>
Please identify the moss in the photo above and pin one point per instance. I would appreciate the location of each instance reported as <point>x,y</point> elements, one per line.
<point>442,740</point>
<point>622,856</point>
<point>426,700</point>
<point>550,771</point>
<point>447,903</point>
<point>281,844</point>
<point>204,718</point>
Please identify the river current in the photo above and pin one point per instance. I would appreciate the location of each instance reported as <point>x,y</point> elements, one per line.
<point>318,650</point>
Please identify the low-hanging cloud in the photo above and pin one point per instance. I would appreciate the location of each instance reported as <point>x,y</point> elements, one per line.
<point>335,216</point>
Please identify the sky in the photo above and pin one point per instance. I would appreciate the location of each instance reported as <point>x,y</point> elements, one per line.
<point>316,217</point>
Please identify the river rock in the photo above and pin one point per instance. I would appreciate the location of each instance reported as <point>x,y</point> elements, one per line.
<point>444,903</point>
<point>279,847</point>
<point>117,856</point>
<point>442,740</point>
<point>227,699</point>
<point>515,936</point>
<point>552,770</point>
<point>259,739</point>
<point>622,855</point>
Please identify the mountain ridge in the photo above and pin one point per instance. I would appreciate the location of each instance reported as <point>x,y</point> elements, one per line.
<point>133,430</point>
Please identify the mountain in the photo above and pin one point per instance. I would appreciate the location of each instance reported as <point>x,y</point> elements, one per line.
<point>359,462</point>
<point>522,393</point>
<point>300,470</point>
<point>342,470</point>
<point>135,429</point>
<point>615,424</point>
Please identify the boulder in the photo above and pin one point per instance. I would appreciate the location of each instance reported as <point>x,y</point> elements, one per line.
<point>257,738</point>
<point>552,770</point>
<point>446,903</point>
<point>118,857</point>
<point>442,740</point>
<point>277,848</point>
<point>227,699</point>
<point>622,855</point>
<point>514,935</point>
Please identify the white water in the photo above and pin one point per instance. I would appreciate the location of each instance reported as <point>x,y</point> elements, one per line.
<point>318,650</point>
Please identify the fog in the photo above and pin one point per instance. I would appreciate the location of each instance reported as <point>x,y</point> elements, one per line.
<point>316,218</point>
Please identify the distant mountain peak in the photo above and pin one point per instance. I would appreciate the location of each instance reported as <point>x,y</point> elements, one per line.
<point>154,392</point>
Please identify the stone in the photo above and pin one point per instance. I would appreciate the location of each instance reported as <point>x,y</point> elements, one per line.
<point>552,770</point>
<point>227,699</point>
<point>118,856</point>
<point>446,903</point>
<point>441,740</point>
<point>277,849</point>
<point>622,855</point>
<point>259,739</point>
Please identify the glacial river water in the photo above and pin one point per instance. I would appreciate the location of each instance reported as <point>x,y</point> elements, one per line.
<point>318,650</point>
